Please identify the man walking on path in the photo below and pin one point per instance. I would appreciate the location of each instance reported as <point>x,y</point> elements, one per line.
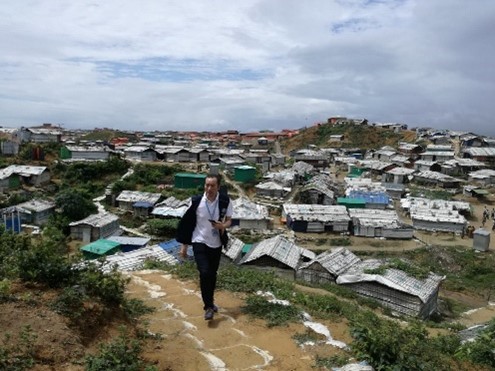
<point>203,226</point>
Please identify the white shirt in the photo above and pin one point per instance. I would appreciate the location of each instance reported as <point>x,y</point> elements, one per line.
<point>204,232</point>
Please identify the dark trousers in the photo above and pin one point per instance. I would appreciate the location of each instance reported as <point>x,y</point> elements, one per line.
<point>207,261</point>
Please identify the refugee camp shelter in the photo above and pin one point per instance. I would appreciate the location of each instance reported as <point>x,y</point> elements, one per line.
<point>278,252</point>
<point>36,211</point>
<point>271,189</point>
<point>132,260</point>
<point>327,266</point>
<point>235,249</point>
<point>95,226</point>
<point>100,248</point>
<point>249,215</point>
<point>171,208</point>
<point>132,200</point>
<point>244,173</point>
<point>318,191</point>
<point>189,180</point>
<point>129,243</point>
<point>379,223</point>
<point>436,215</point>
<point>394,288</point>
<point>316,218</point>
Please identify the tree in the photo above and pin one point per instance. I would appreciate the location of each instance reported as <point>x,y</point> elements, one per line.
<point>75,204</point>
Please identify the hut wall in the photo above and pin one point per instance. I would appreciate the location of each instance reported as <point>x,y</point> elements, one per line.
<point>341,226</point>
<point>437,226</point>
<point>253,224</point>
<point>315,226</point>
<point>396,300</point>
<point>398,233</point>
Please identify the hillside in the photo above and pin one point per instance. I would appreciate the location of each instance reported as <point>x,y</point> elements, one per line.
<point>355,136</point>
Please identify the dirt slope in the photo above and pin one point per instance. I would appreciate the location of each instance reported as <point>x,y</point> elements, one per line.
<point>231,341</point>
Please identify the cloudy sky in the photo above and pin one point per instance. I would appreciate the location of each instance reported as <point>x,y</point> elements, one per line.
<point>247,65</point>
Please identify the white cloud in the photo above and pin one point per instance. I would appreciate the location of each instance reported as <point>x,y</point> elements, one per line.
<point>246,65</point>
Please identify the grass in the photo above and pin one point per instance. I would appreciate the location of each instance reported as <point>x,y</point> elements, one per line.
<point>273,313</point>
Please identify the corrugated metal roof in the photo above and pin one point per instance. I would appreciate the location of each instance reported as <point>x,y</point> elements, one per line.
<point>322,213</point>
<point>88,149</point>
<point>485,173</point>
<point>244,208</point>
<point>301,167</point>
<point>321,183</point>
<point>234,247</point>
<point>434,204</point>
<point>375,217</point>
<point>138,149</point>
<point>407,146</point>
<point>272,186</point>
<point>401,171</point>
<point>480,151</point>
<point>37,205</point>
<point>284,177</point>
<point>172,207</point>
<point>393,278</point>
<point>133,260</point>
<point>96,220</point>
<point>132,241</point>
<point>434,175</point>
<point>335,261</point>
<point>467,162</point>
<point>279,248</point>
<point>135,196</point>
<point>21,170</point>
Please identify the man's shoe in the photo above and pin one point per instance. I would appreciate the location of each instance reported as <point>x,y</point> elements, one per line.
<point>209,314</point>
<point>215,308</point>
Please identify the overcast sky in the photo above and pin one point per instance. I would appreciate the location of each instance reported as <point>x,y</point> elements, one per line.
<point>247,65</point>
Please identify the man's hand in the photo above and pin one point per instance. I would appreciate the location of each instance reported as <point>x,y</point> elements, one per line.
<point>183,251</point>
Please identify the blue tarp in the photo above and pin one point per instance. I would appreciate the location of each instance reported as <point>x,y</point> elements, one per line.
<point>371,197</point>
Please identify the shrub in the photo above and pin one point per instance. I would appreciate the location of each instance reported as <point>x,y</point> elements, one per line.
<point>162,227</point>
<point>20,355</point>
<point>122,354</point>
<point>386,345</point>
<point>481,350</point>
<point>42,264</point>
<point>275,314</point>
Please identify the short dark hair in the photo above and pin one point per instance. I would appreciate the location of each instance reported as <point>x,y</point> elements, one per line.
<point>218,177</point>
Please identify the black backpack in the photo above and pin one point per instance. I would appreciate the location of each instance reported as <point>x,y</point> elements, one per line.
<point>188,222</point>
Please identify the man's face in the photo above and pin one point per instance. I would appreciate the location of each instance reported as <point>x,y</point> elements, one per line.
<point>211,187</point>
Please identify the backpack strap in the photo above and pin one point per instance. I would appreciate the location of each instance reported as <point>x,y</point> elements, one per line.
<point>223,203</point>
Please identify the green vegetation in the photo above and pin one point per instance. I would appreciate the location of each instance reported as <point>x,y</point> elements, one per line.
<point>122,354</point>
<point>344,241</point>
<point>274,314</point>
<point>90,177</point>
<point>385,344</point>
<point>359,136</point>
<point>85,295</point>
<point>480,351</point>
<point>415,271</point>
<point>162,227</point>
<point>18,356</point>
<point>464,268</point>
<point>75,204</point>
<point>433,194</point>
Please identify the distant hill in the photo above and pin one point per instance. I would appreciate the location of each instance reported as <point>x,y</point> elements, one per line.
<point>361,136</point>
<point>107,135</point>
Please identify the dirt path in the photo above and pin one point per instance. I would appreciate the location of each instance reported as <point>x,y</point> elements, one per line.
<point>232,341</point>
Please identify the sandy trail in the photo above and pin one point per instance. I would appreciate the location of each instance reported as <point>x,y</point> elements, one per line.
<point>232,341</point>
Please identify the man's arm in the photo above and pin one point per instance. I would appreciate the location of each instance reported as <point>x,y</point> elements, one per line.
<point>183,251</point>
